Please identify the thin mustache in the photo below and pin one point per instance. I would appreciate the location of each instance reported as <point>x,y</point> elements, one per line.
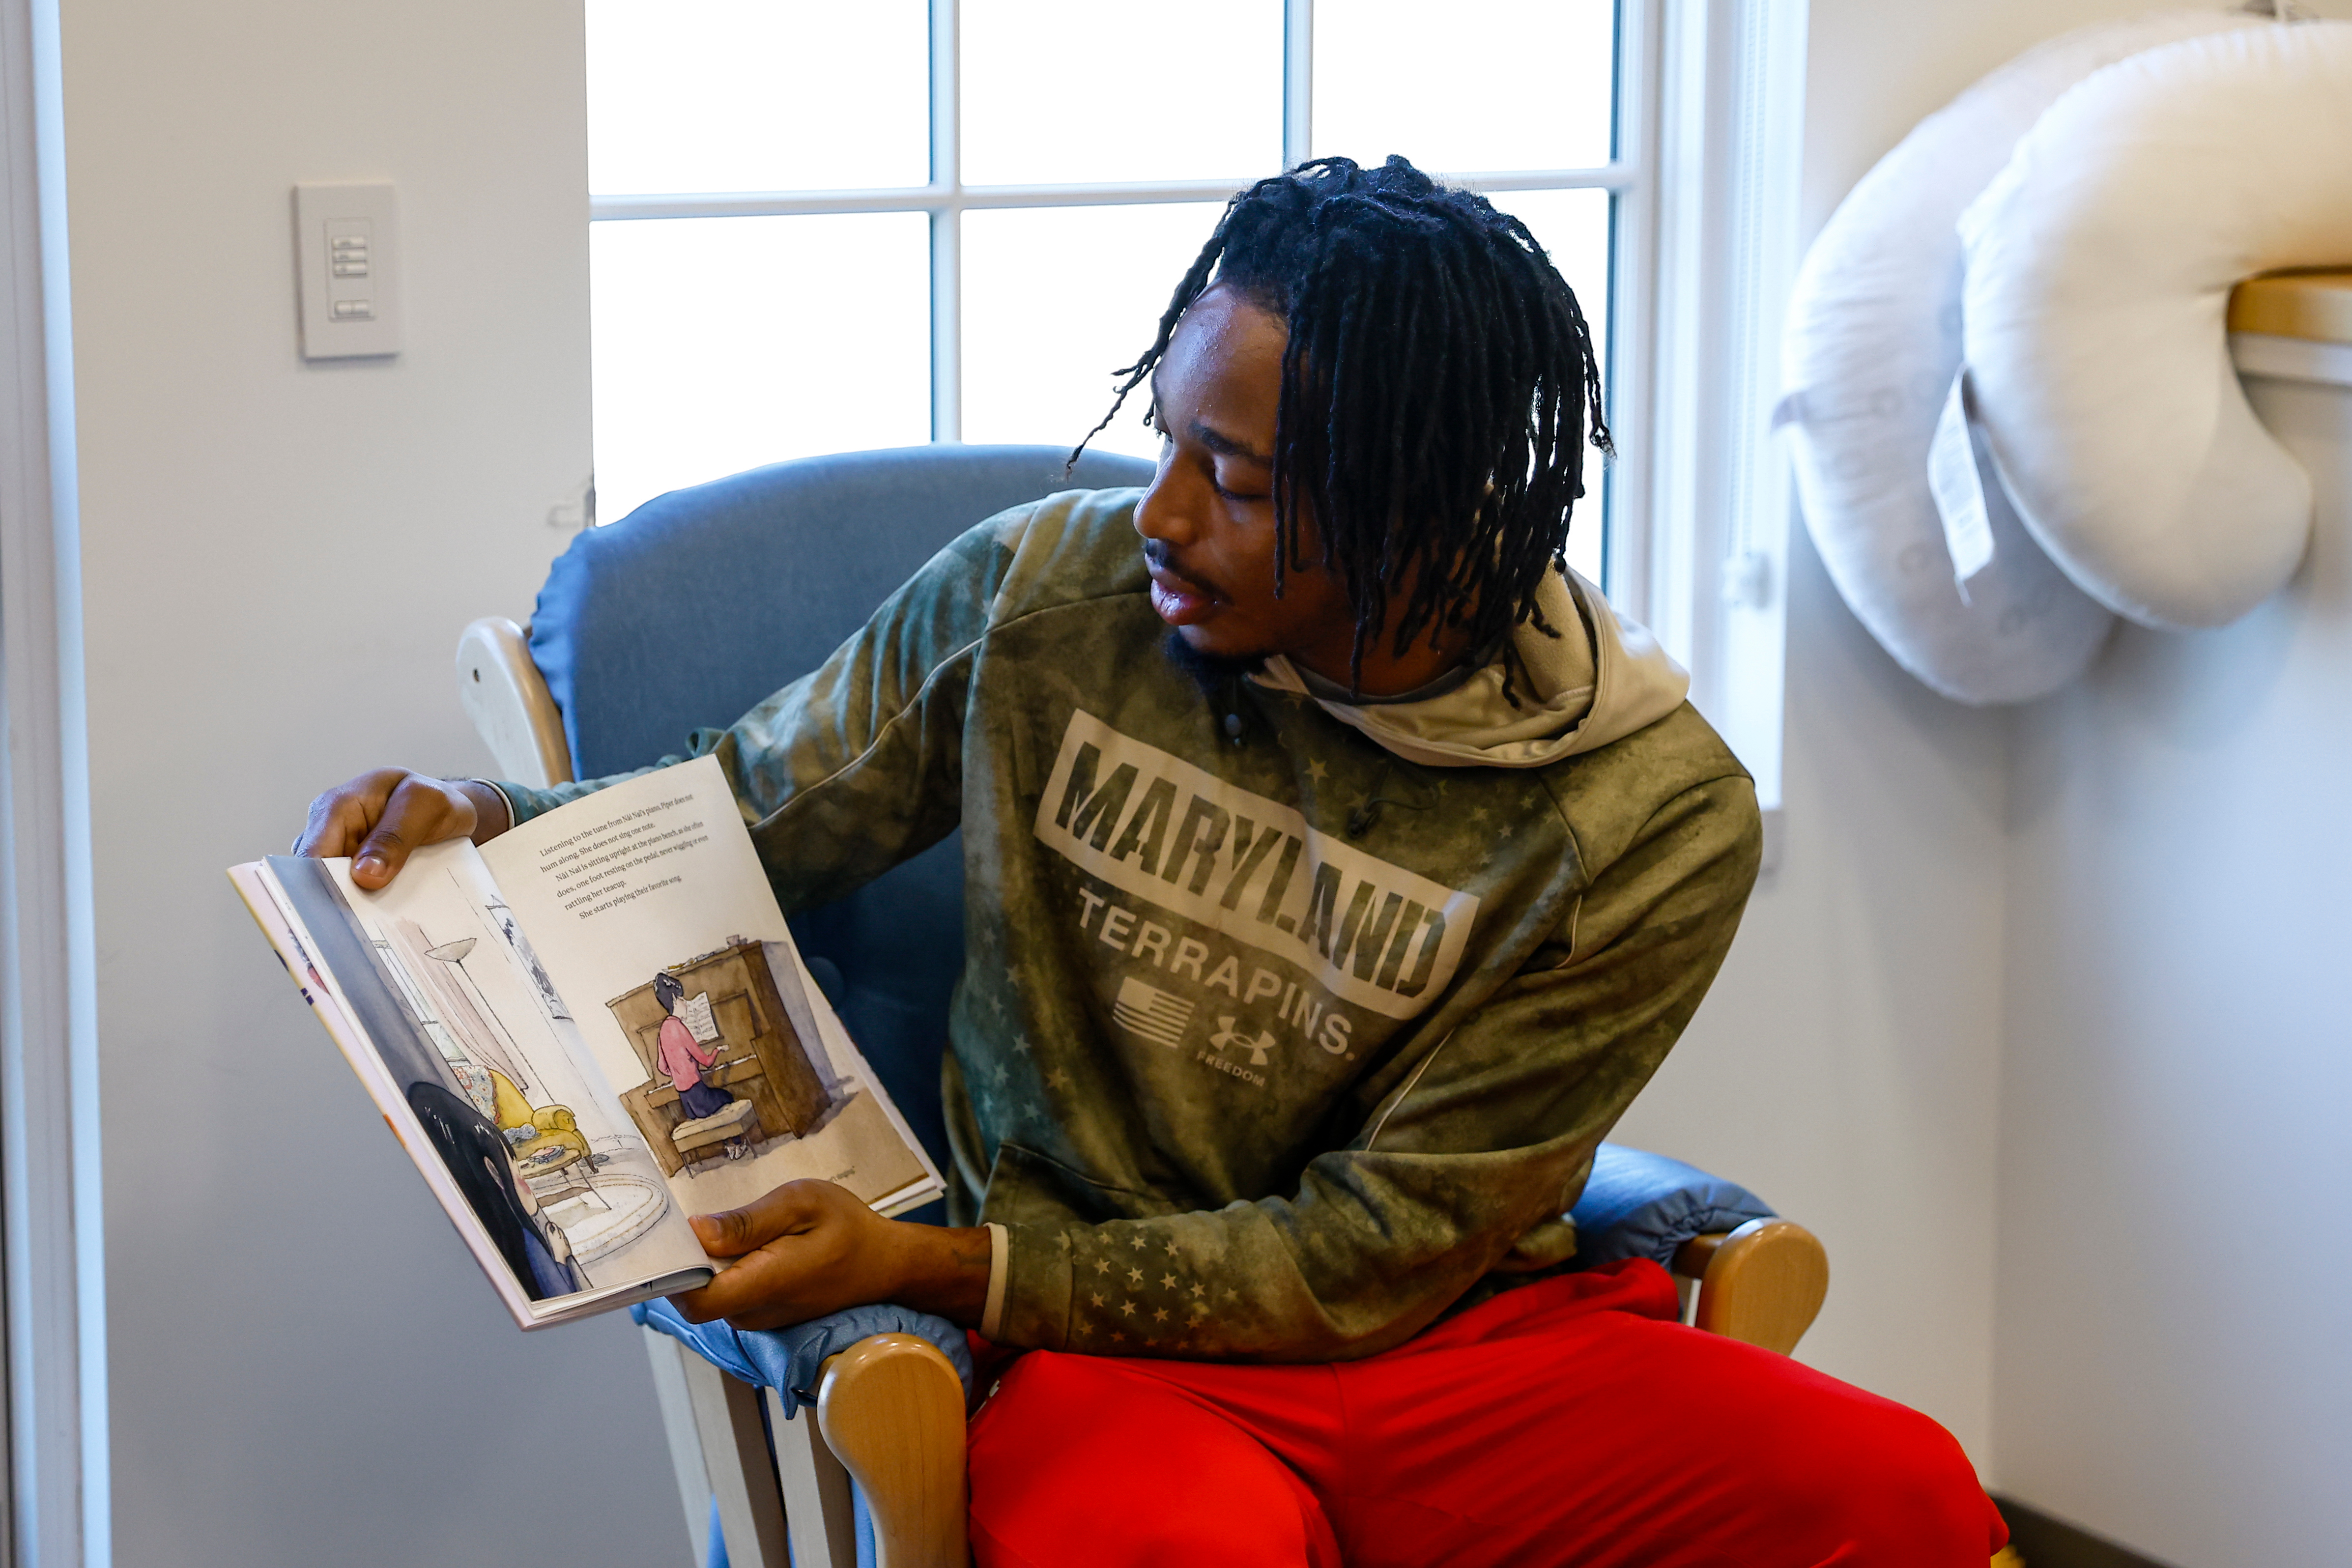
<point>1155,555</point>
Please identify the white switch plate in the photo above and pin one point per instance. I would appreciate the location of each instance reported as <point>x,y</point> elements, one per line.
<point>347,270</point>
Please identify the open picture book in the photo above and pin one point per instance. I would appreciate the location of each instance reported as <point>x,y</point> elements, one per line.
<point>587,1030</point>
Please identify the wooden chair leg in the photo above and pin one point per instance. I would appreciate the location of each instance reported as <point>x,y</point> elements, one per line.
<point>1762,1284</point>
<point>892,1407</point>
<point>734,1447</point>
<point>685,1442</point>
<point>818,1513</point>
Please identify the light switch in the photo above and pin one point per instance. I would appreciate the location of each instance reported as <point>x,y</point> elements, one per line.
<point>347,270</point>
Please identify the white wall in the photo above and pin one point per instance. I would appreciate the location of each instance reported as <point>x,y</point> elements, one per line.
<point>306,1366</point>
<point>2170,1363</point>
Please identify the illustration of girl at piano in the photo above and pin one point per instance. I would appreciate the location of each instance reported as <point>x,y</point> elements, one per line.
<point>681,1058</point>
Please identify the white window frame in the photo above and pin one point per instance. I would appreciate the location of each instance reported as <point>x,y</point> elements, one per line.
<point>947,198</point>
<point>1704,187</point>
<point>1699,542</point>
<point>57,1502</point>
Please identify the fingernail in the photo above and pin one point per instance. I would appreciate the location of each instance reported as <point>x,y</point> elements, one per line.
<point>371,863</point>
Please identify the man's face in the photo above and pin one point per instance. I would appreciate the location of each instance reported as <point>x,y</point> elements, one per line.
<point>1207,521</point>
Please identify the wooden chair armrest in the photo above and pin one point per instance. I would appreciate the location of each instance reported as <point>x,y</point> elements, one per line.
<point>1762,1284</point>
<point>506,699</point>
<point>891,1409</point>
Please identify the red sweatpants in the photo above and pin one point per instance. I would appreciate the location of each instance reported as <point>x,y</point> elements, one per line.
<point>1572,1421</point>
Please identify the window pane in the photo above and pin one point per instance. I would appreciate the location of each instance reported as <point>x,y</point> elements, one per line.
<point>1497,84</point>
<point>1573,226</point>
<point>1058,91</point>
<point>724,343</point>
<point>757,95</point>
<point>1054,299</point>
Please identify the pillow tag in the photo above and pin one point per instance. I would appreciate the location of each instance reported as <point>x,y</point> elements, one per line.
<point>1959,488</point>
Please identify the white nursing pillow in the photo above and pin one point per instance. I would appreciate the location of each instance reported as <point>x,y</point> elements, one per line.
<point>1871,351</point>
<point>2099,270</point>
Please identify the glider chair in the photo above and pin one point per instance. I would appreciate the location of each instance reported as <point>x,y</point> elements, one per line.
<point>688,612</point>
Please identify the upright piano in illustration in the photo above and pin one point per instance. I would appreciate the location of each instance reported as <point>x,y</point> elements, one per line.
<point>727,1002</point>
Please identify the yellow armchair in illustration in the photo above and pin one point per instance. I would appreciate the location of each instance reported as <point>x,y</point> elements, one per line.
<point>555,1126</point>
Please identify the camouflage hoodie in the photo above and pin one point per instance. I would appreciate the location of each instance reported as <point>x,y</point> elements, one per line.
<point>1285,1024</point>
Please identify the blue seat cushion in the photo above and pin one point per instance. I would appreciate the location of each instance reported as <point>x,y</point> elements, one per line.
<point>1641,1205</point>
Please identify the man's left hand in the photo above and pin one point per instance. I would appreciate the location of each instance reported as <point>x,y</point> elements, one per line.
<point>810,1247</point>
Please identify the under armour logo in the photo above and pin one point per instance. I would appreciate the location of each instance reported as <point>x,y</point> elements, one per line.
<point>1228,1035</point>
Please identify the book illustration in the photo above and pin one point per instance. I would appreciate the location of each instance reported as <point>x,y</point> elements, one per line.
<point>536,1247</point>
<point>445,991</point>
<point>726,1075</point>
<point>501,1094</point>
<point>503,919</point>
<point>694,1013</point>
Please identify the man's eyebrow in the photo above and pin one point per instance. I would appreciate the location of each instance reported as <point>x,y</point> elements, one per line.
<point>1224,445</point>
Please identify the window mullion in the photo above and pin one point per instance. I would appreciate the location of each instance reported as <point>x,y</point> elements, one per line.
<point>1297,80</point>
<point>1632,495</point>
<point>946,222</point>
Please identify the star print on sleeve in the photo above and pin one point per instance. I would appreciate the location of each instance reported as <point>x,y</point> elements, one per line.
<point>1126,1304</point>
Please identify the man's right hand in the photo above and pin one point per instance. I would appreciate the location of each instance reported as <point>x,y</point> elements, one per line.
<point>379,819</point>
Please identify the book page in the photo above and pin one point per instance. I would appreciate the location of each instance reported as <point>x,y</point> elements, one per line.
<point>648,905</point>
<point>475,1046</point>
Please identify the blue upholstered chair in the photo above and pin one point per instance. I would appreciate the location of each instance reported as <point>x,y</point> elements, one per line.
<point>686,614</point>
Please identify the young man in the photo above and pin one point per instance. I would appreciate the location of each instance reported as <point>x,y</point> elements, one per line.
<point>1342,868</point>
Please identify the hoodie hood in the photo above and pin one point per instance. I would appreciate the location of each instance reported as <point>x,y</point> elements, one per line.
<point>1603,678</point>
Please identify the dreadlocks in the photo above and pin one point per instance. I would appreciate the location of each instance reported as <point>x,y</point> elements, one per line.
<point>1436,390</point>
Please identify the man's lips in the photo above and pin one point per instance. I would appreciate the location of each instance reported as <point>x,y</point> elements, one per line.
<point>1180,601</point>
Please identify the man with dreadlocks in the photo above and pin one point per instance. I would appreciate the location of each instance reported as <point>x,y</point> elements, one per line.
<point>1356,866</point>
